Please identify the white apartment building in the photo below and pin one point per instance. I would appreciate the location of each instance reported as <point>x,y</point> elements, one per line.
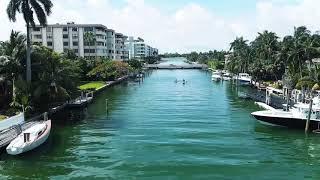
<point>139,49</point>
<point>120,50</point>
<point>61,37</point>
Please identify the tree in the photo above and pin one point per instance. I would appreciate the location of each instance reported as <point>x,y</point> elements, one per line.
<point>241,54</point>
<point>56,77</point>
<point>90,40</point>
<point>266,64</point>
<point>41,8</point>
<point>135,64</point>
<point>11,55</point>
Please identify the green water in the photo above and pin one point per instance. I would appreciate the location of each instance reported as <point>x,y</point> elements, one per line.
<point>158,129</point>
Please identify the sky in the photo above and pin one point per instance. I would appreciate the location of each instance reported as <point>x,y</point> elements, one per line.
<point>182,25</point>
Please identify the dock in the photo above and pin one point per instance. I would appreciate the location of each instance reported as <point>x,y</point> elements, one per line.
<point>81,101</point>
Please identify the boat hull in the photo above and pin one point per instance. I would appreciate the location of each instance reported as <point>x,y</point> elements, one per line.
<point>287,122</point>
<point>244,82</point>
<point>30,146</point>
<point>216,79</point>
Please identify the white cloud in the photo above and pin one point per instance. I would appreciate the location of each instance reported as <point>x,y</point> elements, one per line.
<point>191,27</point>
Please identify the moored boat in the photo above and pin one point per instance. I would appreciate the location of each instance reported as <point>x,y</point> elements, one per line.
<point>216,76</point>
<point>226,77</point>
<point>296,117</point>
<point>30,138</point>
<point>12,121</point>
<point>244,78</point>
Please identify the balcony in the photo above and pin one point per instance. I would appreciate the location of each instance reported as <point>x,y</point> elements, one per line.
<point>101,32</point>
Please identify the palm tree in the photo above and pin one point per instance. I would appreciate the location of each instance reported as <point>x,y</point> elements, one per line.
<point>41,8</point>
<point>265,49</point>
<point>90,40</point>
<point>11,53</point>
<point>241,53</point>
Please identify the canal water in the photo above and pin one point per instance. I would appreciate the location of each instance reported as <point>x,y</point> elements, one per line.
<point>159,129</point>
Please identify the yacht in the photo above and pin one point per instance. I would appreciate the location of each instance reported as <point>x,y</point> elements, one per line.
<point>296,117</point>
<point>244,78</point>
<point>216,76</point>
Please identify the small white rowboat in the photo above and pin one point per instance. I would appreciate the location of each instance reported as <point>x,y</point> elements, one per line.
<point>30,138</point>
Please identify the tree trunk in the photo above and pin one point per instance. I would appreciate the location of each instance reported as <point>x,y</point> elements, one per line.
<point>300,67</point>
<point>28,54</point>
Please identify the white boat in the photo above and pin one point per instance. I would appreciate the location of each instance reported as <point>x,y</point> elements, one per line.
<point>12,121</point>
<point>30,138</point>
<point>226,77</point>
<point>216,76</point>
<point>244,78</point>
<point>296,117</point>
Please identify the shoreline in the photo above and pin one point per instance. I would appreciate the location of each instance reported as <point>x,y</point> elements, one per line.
<point>64,106</point>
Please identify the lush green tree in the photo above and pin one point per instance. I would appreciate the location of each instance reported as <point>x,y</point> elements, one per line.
<point>29,8</point>
<point>109,70</point>
<point>241,55</point>
<point>90,40</point>
<point>135,64</point>
<point>265,63</point>
<point>56,77</point>
<point>11,55</point>
<point>151,59</point>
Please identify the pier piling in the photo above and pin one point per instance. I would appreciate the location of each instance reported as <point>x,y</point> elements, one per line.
<point>309,116</point>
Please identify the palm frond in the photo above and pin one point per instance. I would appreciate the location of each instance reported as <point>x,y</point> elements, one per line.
<point>47,4</point>
<point>39,11</point>
<point>12,9</point>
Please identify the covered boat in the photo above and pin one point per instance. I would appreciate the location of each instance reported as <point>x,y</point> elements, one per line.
<point>30,138</point>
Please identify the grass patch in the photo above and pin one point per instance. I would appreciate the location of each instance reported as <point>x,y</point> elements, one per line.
<point>92,85</point>
<point>2,117</point>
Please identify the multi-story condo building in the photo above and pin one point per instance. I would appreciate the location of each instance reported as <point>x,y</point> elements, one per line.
<point>86,40</point>
<point>120,50</point>
<point>139,49</point>
<point>111,43</point>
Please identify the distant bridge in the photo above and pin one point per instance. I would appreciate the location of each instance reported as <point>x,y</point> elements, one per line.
<point>172,66</point>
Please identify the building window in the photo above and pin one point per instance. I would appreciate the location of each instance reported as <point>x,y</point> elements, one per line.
<point>49,29</point>
<point>75,43</point>
<point>65,29</point>
<point>36,29</point>
<point>100,43</point>
<point>49,36</point>
<point>74,36</point>
<point>65,36</point>
<point>75,50</point>
<point>38,36</point>
<point>88,44</point>
<point>65,44</point>
<point>89,50</point>
<point>86,29</point>
<point>74,29</point>
<point>49,43</point>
